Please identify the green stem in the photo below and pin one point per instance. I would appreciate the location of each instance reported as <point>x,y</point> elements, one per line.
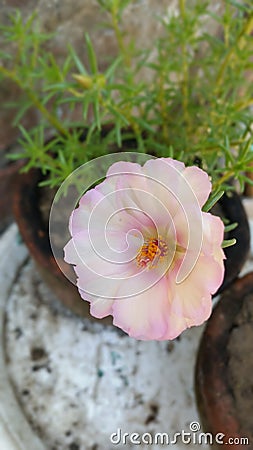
<point>182,8</point>
<point>239,42</point>
<point>125,113</point>
<point>216,147</point>
<point>36,101</point>
<point>222,179</point>
<point>128,64</point>
<point>226,26</point>
<point>244,104</point>
<point>51,119</point>
<point>185,69</point>
<point>120,40</point>
<point>163,109</point>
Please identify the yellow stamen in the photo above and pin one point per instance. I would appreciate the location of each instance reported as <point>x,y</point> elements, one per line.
<point>151,251</point>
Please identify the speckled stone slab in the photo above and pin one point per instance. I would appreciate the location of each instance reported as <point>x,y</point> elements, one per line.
<point>79,382</point>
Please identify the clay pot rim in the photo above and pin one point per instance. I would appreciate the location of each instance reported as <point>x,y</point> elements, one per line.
<point>8,173</point>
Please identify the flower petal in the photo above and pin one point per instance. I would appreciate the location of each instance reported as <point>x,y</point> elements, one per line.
<point>101,307</point>
<point>144,316</point>
<point>134,205</point>
<point>199,182</point>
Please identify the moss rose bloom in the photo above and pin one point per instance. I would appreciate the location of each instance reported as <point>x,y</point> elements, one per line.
<point>143,250</point>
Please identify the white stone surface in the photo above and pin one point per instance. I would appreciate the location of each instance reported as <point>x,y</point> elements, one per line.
<point>78,382</point>
<point>15,431</point>
<point>87,380</point>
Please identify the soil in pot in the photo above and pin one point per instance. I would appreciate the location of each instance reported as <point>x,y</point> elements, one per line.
<point>224,386</point>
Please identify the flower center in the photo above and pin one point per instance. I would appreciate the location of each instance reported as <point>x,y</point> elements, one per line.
<point>151,251</point>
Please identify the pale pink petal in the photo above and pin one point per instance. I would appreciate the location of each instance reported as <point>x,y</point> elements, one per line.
<point>141,195</point>
<point>81,250</point>
<point>144,316</point>
<point>191,302</point>
<point>130,216</point>
<point>154,164</point>
<point>192,297</point>
<point>80,217</point>
<point>101,307</point>
<point>168,184</point>
<point>98,274</point>
<point>133,205</point>
<point>79,220</point>
<point>199,182</point>
<point>188,223</point>
<point>187,185</point>
<point>213,229</point>
<point>123,167</point>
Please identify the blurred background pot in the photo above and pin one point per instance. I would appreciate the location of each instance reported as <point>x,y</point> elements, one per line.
<point>8,173</point>
<point>223,377</point>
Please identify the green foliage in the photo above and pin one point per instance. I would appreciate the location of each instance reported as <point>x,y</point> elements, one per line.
<point>195,106</point>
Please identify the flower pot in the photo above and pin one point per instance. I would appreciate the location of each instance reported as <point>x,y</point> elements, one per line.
<point>223,377</point>
<point>34,230</point>
<point>8,174</point>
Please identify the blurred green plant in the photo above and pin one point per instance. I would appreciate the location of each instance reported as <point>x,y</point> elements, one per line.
<point>194,105</point>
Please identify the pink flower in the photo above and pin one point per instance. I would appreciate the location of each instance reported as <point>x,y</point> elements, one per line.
<point>143,250</point>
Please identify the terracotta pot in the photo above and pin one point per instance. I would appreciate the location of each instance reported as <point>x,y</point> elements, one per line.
<point>35,234</point>
<point>215,398</point>
<point>7,177</point>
